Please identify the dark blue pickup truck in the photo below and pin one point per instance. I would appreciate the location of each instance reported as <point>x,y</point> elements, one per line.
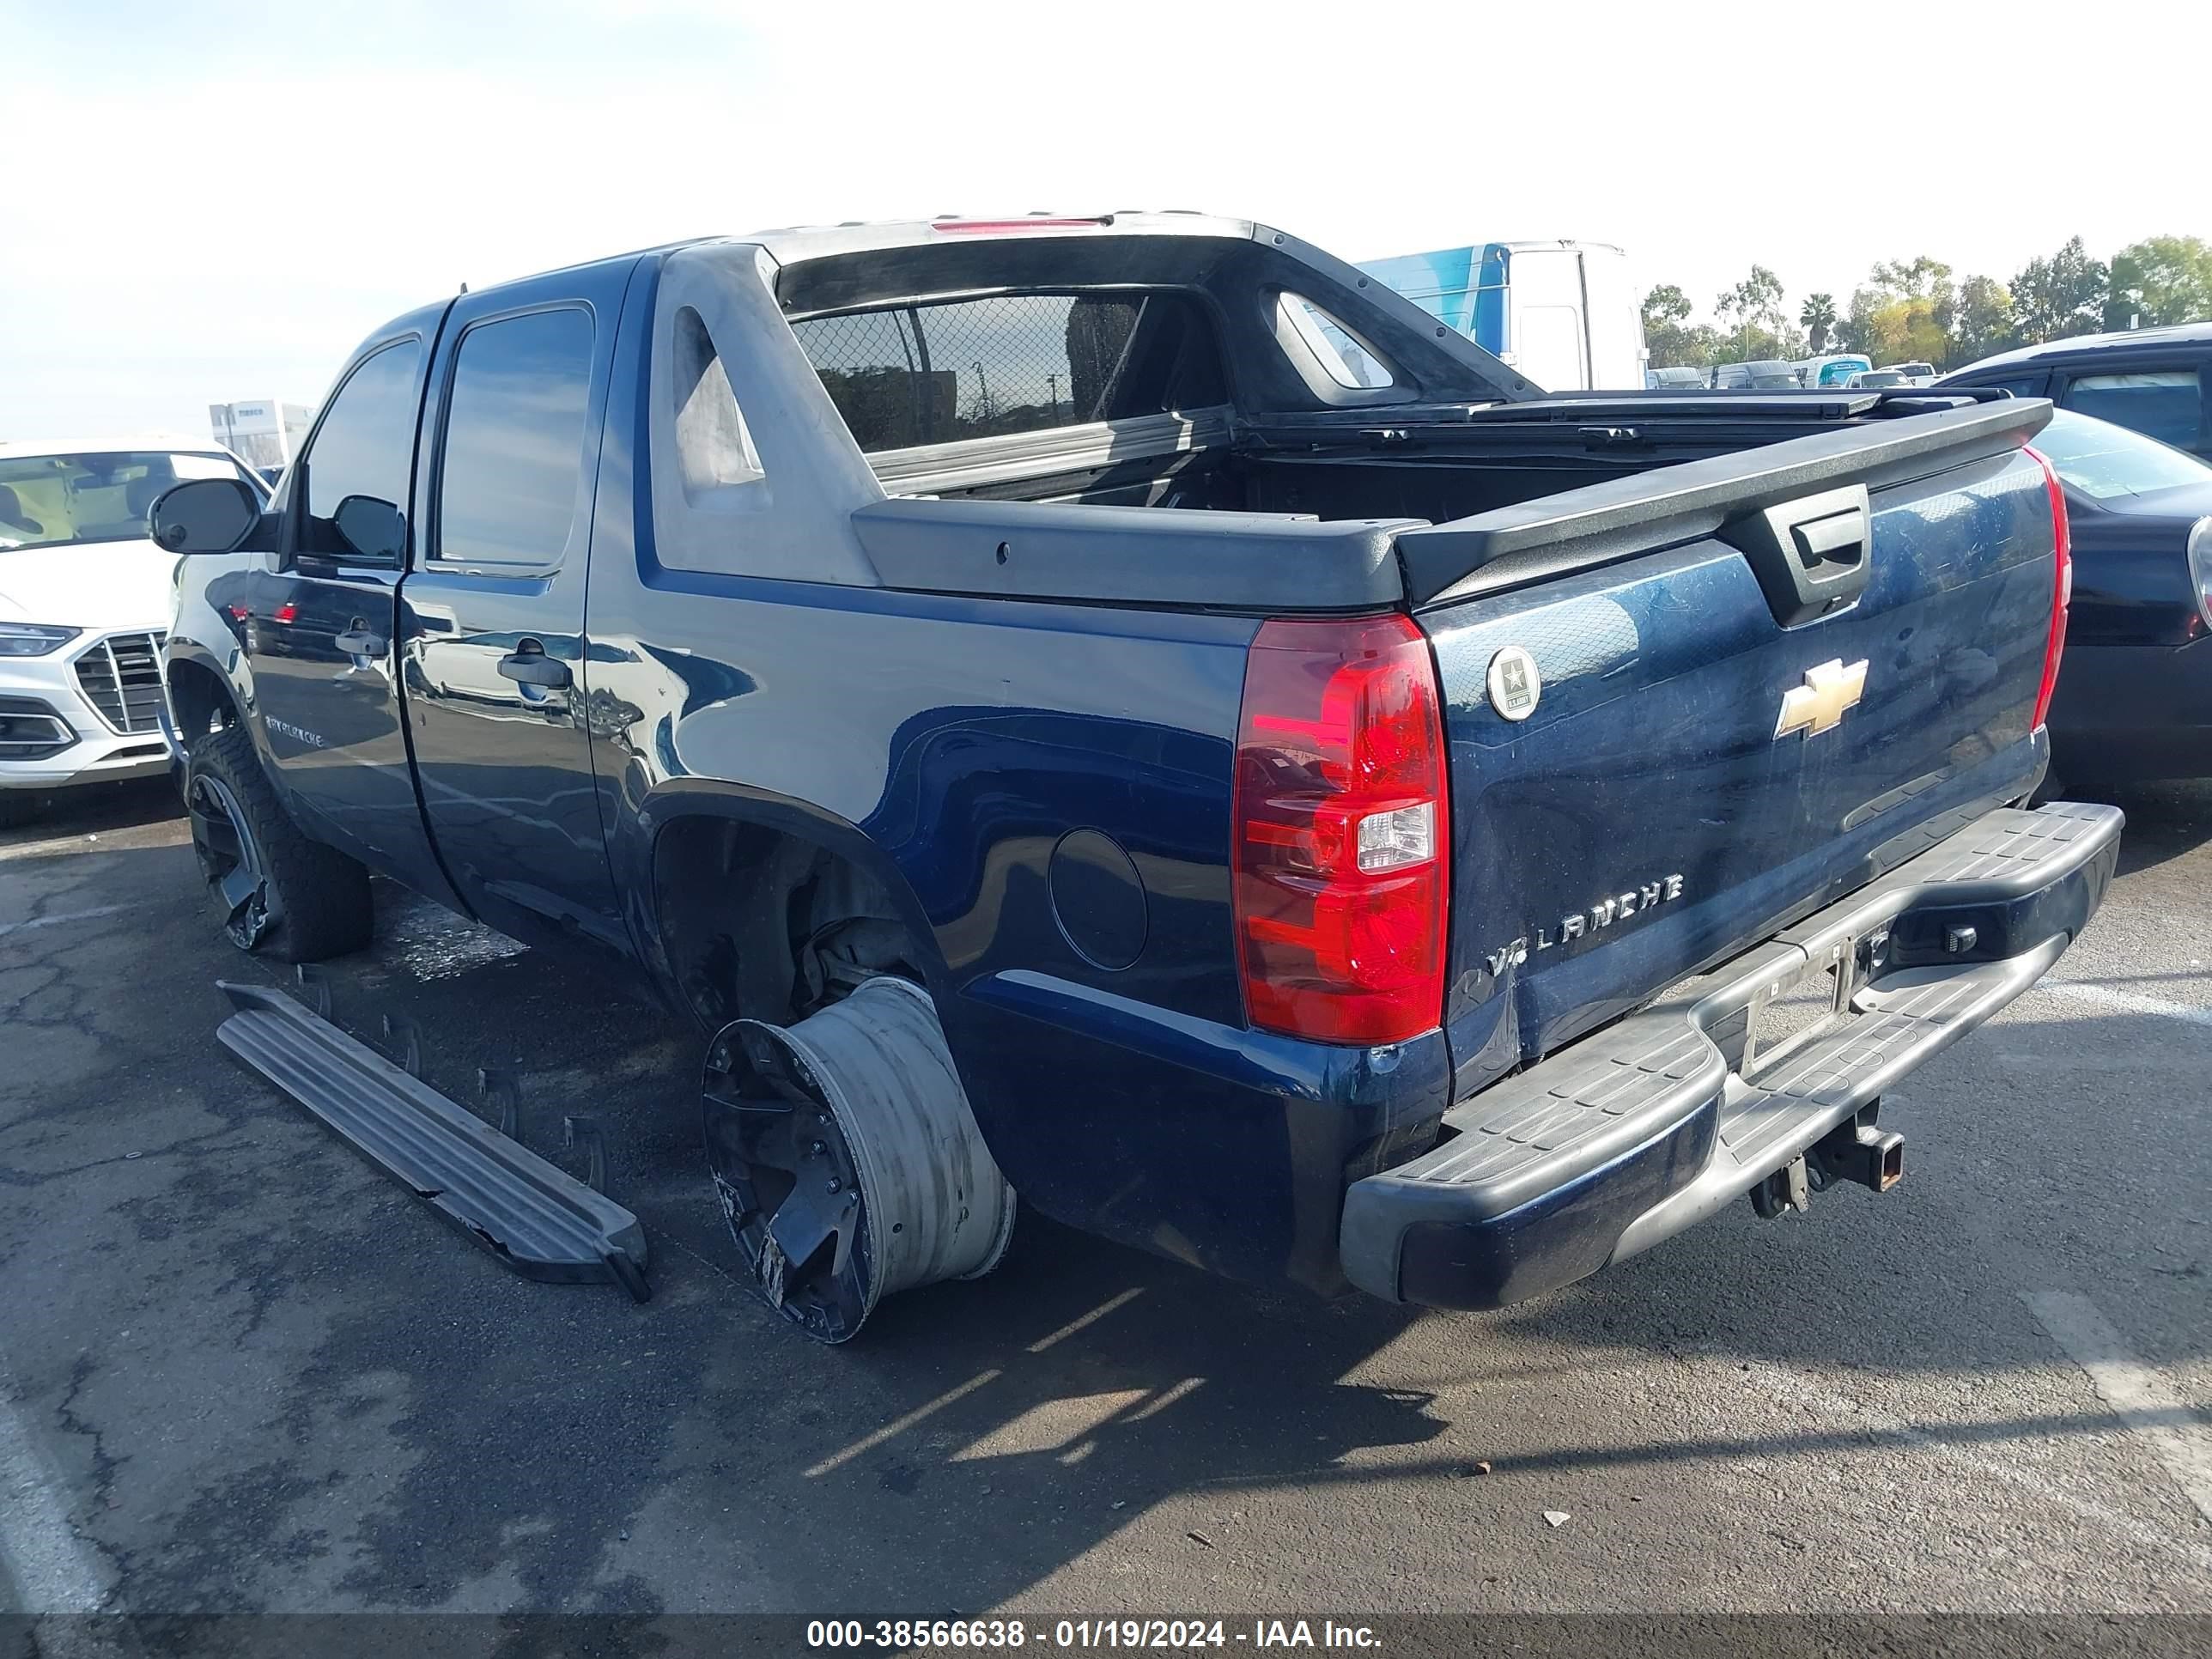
<point>1125,712</point>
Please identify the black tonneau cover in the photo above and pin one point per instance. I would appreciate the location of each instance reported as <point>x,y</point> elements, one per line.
<point>1580,529</point>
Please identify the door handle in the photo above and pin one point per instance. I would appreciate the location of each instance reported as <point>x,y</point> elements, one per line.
<point>358,642</point>
<point>528,665</point>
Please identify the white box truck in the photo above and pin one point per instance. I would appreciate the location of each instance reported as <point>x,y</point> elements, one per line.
<point>268,433</point>
<point>1565,314</point>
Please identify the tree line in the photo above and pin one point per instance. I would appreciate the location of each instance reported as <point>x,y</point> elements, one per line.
<point>1915,311</point>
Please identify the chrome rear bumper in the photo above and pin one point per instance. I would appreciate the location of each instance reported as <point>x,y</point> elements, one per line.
<point>1637,1131</point>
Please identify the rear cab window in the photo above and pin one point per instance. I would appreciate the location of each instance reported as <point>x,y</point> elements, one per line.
<point>1344,357</point>
<point>947,371</point>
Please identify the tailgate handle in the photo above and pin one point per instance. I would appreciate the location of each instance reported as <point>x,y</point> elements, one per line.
<point>1809,554</point>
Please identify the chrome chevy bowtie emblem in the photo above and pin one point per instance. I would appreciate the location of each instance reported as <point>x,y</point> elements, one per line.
<point>1818,705</point>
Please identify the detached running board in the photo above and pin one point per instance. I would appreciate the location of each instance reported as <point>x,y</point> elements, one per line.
<point>534,1217</point>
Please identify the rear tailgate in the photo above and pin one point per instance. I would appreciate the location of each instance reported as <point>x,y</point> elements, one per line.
<point>1760,680</point>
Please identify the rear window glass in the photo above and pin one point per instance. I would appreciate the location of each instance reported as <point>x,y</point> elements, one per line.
<point>1019,362</point>
<point>2164,404</point>
<point>514,439</point>
<point>2102,461</point>
<point>1343,355</point>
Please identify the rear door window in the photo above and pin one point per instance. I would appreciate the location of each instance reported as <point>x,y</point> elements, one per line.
<point>2165,404</point>
<point>960,369</point>
<point>512,475</point>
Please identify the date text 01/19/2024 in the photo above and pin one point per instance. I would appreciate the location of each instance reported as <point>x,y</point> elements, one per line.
<point>1006,1635</point>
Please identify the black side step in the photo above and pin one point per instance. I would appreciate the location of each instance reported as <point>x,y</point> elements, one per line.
<point>538,1219</point>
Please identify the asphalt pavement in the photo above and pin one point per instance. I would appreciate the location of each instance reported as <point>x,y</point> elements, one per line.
<point>240,1371</point>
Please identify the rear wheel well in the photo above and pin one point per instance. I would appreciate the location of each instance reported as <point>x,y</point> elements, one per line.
<point>760,923</point>
<point>199,702</point>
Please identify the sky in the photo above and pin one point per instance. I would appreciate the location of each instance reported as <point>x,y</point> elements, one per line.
<point>210,203</point>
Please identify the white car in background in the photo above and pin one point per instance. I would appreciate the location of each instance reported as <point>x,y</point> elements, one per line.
<point>84,606</point>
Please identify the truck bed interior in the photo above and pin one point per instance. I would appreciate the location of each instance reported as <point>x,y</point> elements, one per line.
<point>1467,464</point>
<point>1217,375</point>
<point>1328,485</point>
<point>1134,372</point>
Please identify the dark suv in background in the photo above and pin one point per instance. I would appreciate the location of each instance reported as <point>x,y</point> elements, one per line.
<point>2155,380</point>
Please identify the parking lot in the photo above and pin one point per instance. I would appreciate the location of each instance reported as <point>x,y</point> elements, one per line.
<point>240,1371</point>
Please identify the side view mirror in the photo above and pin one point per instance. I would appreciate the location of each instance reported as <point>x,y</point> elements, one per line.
<point>372,527</point>
<point>203,515</point>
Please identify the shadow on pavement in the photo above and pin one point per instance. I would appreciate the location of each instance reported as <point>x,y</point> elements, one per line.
<point>379,1415</point>
<point>97,808</point>
<point>2164,820</point>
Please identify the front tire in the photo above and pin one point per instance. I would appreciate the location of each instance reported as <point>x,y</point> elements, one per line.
<point>283,895</point>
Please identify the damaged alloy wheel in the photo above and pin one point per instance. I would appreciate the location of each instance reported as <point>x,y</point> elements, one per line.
<point>846,1160</point>
<point>230,858</point>
<point>281,894</point>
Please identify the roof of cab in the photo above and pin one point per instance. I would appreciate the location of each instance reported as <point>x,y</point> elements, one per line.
<point>790,244</point>
<point>819,242</point>
<point>1484,378</point>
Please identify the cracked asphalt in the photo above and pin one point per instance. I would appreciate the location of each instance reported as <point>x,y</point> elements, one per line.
<point>245,1372</point>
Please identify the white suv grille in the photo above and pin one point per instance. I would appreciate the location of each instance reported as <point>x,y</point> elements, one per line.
<point>121,678</point>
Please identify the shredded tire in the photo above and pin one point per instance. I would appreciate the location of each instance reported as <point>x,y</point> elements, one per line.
<point>319,898</point>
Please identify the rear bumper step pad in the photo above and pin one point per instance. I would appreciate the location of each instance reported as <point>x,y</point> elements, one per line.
<point>1636,1132</point>
<point>533,1216</point>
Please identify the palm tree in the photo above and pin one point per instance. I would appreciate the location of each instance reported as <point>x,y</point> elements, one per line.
<point>1817,317</point>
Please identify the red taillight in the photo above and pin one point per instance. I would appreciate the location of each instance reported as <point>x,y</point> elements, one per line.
<point>287,612</point>
<point>1341,833</point>
<point>2061,592</point>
